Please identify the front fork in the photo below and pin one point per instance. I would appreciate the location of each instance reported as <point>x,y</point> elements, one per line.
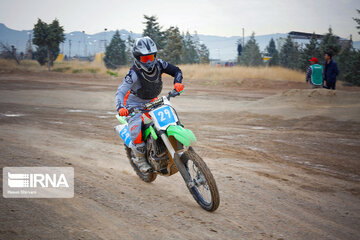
<point>179,164</point>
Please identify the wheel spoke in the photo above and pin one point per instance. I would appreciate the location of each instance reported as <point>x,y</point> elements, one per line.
<point>200,182</point>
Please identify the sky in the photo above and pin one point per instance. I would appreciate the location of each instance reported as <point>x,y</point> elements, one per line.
<point>210,17</point>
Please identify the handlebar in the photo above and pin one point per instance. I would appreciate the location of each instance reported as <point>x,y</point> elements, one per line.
<point>173,93</point>
<point>150,105</point>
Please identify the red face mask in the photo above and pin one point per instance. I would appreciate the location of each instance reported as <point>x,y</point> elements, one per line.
<point>145,59</point>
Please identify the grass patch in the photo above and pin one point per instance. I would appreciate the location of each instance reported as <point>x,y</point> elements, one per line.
<point>8,65</point>
<point>77,71</point>
<point>214,75</point>
<point>114,74</point>
<point>61,69</point>
<point>93,70</point>
<point>201,73</point>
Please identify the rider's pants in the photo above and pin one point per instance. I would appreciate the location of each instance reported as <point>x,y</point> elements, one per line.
<point>135,124</point>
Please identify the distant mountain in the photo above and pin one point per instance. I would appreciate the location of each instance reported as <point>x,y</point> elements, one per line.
<point>224,48</point>
<point>77,39</point>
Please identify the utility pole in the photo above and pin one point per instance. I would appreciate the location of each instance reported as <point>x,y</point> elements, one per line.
<point>28,50</point>
<point>85,47</point>
<point>105,40</point>
<point>69,48</point>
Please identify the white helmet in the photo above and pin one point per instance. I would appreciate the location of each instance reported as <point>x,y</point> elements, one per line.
<point>144,52</point>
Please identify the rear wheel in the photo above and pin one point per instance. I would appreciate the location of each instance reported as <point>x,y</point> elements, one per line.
<point>146,177</point>
<point>205,191</point>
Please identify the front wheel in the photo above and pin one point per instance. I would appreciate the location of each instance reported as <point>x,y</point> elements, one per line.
<point>204,191</point>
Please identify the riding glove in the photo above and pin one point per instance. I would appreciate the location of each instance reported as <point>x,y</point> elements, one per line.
<point>179,87</point>
<point>123,112</point>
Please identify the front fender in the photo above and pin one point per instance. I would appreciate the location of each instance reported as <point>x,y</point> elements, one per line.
<point>183,135</point>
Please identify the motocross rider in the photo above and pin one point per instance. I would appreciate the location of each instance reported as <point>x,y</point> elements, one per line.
<point>143,84</point>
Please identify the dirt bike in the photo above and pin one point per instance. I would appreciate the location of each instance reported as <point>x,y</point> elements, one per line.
<point>168,150</point>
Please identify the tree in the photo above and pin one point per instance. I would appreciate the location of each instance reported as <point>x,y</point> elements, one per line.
<point>297,56</point>
<point>349,61</point>
<point>204,53</point>
<point>41,54</point>
<point>352,72</point>
<point>311,50</point>
<point>251,55</point>
<point>273,53</point>
<point>289,54</point>
<point>190,54</point>
<point>201,49</point>
<point>153,30</point>
<point>129,46</point>
<point>345,59</point>
<point>115,53</point>
<point>196,40</point>
<point>174,45</point>
<point>330,43</point>
<point>357,20</point>
<point>48,37</point>
<point>9,52</point>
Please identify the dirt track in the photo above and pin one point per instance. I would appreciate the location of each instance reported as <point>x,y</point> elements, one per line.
<point>285,169</point>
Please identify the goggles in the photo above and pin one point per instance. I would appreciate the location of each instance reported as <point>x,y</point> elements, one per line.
<point>145,59</point>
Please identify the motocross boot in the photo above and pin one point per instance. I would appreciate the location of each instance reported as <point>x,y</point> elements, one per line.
<point>140,160</point>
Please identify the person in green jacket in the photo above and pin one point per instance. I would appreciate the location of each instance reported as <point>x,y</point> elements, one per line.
<point>314,74</point>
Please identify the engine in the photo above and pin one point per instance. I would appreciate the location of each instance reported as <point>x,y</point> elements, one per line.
<point>157,154</point>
